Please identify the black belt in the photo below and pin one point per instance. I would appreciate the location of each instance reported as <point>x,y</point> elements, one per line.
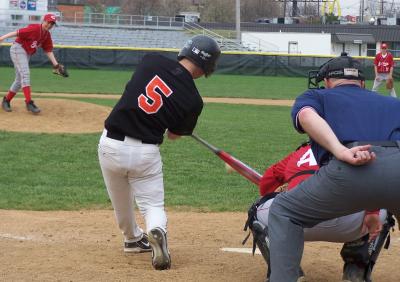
<point>374,143</point>
<point>121,137</point>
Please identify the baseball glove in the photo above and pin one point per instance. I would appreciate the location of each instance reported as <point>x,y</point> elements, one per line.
<point>60,70</point>
<point>389,83</point>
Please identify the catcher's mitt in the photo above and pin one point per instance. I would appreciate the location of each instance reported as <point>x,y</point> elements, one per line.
<point>389,83</point>
<point>60,70</point>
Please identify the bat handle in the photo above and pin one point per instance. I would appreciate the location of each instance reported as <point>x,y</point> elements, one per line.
<point>205,143</point>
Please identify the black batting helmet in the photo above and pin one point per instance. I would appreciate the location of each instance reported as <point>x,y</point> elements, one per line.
<point>202,51</point>
<point>344,67</point>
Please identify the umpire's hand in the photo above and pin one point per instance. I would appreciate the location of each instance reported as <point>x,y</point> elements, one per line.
<point>358,155</point>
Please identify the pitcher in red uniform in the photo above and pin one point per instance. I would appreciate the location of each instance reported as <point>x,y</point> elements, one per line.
<point>28,40</point>
<point>384,65</point>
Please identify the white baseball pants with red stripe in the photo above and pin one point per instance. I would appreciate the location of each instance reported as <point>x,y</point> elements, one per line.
<point>20,60</point>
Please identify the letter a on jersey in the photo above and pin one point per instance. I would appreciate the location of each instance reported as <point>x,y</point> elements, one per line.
<point>307,158</point>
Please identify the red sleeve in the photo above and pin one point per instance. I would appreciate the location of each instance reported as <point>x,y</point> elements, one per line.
<point>376,60</point>
<point>47,44</point>
<point>273,177</point>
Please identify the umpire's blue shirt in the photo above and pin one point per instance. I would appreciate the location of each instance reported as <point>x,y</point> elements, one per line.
<point>353,113</point>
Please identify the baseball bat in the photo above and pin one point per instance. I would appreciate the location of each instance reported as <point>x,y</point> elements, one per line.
<point>236,164</point>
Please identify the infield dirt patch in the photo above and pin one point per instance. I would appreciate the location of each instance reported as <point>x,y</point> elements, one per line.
<point>57,116</point>
<point>87,246</point>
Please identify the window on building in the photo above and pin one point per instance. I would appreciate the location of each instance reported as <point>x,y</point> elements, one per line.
<point>371,50</point>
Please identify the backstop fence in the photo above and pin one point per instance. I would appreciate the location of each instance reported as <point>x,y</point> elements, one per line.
<point>243,63</point>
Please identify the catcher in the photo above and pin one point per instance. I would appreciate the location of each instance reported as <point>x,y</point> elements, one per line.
<point>28,40</point>
<point>383,66</point>
<point>292,170</point>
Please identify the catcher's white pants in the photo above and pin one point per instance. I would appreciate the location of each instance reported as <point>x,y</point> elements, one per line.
<point>340,230</point>
<point>132,171</point>
<point>382,77</point>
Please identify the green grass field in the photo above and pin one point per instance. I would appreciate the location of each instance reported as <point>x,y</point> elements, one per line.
<point>113,82</point>
<point>61,171</point>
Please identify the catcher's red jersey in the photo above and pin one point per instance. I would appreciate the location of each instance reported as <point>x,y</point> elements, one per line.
<point>293,169</point>
<point>34,36</point>
<point>384,63</point>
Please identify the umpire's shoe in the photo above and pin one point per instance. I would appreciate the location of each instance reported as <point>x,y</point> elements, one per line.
<point>5,104</point>
<point>31,107</point>
<point>141,246</point>
<point>158,242</point>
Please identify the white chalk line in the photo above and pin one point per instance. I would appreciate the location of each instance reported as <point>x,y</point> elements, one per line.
<point>15,237</point>
<point>241,250</point>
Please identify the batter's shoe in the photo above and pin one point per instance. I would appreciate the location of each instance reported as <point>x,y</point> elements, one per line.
<point>141,246</point>
<point>31,107</point>
<point>6,105</point>
<point>161,258</point>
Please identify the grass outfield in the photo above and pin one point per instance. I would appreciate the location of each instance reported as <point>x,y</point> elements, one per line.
<point>113,82</point>
<point>61,171</point>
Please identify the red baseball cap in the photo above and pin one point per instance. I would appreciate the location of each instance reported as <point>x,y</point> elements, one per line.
<point>384,46</point>
<point>50,18</point>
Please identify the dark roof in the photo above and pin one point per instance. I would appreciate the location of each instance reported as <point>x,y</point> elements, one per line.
<point>390,33</point>
<point>353,38</point>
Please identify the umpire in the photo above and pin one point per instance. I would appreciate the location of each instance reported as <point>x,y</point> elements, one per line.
<point>355,137</point>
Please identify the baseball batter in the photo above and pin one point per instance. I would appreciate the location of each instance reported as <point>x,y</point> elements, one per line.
<point>356,144</point>
<point>383,66</point>
<point>161,97</point>
<point>294,169</point>
<point>28,40</point>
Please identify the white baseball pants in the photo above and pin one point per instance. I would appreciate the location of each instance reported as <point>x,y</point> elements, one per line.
<point>382,77</point>
<point>132,171</point>
<point>339,230</point>
<point>20,60</point>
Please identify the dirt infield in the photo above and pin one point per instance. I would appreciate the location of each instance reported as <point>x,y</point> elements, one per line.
<point>57,116</point>
<point>87,245</point>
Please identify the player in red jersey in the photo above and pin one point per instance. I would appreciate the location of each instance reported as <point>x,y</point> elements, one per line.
<point>28,40</point>
<point>351,230</point>
<point>383,65</point>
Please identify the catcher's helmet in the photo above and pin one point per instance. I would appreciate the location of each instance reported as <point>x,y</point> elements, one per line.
<point>344,67</point>
<point>202,51</point>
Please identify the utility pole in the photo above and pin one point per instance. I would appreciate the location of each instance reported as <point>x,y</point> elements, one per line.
<point>294,8</point>
<point>382,2</point>
<point>238,33</point>
<point>362,11</point>
<point>284,8</point>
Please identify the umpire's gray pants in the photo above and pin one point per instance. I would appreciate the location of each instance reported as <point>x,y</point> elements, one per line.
<point>337,189</point>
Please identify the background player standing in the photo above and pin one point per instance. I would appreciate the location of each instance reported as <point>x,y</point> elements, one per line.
<point>28,40</point>
<point>383,66</point>
<point>160,97</point>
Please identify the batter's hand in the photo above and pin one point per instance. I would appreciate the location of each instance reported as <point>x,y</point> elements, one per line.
<point>359,155</point>
<point>378,78</point>
<point>372,225</point>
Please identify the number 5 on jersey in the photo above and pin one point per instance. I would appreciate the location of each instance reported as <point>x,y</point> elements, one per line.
<point>152,101</point>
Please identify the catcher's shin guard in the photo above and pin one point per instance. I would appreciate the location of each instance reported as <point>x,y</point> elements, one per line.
<point>356,256</point>
<point>383,240</point>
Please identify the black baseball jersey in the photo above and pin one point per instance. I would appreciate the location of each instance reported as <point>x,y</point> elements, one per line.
<point>160,95</point>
